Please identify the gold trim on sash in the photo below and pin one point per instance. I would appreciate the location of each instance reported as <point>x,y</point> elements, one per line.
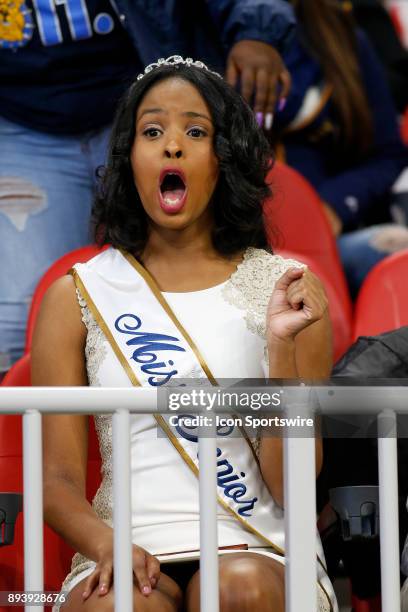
<point>324,590</point>
<point>160,298</point>
<point>101,322</point>
<point>135,382</point>
<point>194,468</point>
<point>133,379</point>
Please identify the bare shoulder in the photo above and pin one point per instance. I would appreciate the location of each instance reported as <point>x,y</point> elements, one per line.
<point>59,337</point>
<point>61,294</point>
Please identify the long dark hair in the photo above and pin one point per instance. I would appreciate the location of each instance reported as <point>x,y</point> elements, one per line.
<point>330,35</point>
<point>239,144</point>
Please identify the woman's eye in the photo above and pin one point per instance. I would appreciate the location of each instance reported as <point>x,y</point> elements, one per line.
<point>196,132</point>
<point>152,132</point>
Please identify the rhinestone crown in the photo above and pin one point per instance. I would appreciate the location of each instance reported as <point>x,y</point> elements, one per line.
<point>175,60</point>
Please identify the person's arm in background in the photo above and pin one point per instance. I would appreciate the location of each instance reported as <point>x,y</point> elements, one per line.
<point>256,32</point>
<point>351,193</point>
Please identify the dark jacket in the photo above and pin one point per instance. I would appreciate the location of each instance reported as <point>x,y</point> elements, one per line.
<point>65,75</point>
<point>374,19</point>
<point>353,189</point>
<point>204,30</point>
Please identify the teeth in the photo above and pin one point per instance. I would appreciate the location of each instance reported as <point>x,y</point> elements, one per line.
<point>171,200</point>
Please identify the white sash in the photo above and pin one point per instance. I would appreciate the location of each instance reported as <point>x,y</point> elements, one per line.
<point>154,349</point>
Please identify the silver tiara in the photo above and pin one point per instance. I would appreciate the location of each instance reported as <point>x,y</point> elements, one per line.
<point>175,60</point>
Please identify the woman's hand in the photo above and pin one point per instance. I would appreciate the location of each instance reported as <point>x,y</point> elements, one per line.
<point>297,301</point>
<point>263,76</point>
<point>146,571</point>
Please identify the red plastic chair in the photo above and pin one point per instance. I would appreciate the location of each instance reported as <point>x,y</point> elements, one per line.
<point>397,21</point>
<point>339,318</point>
<point>56,270</point>
<point>57,554</point>
<point>366,605</point>
<point>295,221</point>
<point>382,301</point>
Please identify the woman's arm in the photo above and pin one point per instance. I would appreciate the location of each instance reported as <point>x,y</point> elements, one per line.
<point>295,350</point>
<point>58,360</point>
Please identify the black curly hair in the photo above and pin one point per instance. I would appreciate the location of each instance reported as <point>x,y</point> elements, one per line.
<point>244,159</point>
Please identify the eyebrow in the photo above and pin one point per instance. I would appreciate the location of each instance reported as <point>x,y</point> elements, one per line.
<point>192,114</point>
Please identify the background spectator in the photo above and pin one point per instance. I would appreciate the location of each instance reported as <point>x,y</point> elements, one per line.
<point>340,130</point>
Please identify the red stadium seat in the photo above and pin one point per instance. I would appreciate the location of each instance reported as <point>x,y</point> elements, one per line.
<point>382,301</point>
<point>57,554</point>
<point>295,221</point>
<point>56,270</point>
<point>339,317</point>
<point>366,605</point>
<point>397,21</point>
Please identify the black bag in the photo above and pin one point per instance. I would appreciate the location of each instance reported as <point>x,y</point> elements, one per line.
<point>353,461</point>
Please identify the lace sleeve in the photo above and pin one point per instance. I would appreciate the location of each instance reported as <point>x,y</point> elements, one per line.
<point>251,286</point>
<point>95,349</point>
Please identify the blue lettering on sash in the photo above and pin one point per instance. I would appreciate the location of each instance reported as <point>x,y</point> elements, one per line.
<point>184,430</point>
<point>226,478</point>
<point>148,345</point>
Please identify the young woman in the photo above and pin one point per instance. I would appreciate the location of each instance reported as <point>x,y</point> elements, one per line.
<point>188,289</point>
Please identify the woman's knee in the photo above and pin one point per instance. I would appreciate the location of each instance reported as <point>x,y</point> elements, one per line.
<point>157,601</point>
<point>249,583</point>
<point>166,597</point>
<point>94,603</point>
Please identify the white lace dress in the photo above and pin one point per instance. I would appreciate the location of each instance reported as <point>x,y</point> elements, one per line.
<point>165,518</point>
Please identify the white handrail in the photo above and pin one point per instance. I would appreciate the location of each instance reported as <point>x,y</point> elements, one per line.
<point>299,476</point>
<point>122,533</point>
<point>331,400</point>
<point>389,530</point>
<point>33,505</point>
<point>300,535</point>
<point>209,588</point>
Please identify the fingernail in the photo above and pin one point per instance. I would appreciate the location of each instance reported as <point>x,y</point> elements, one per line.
<point>268,121</point>
<point>102,587</point>
<point>146,590</point>
<point>282,104</point>
<point>259,119</point>
<point>84,594</point>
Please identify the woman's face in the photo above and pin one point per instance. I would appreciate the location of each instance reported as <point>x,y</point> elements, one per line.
<point>173,160</point>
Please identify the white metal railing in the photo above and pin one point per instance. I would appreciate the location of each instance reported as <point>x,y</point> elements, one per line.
<point>299,477</point>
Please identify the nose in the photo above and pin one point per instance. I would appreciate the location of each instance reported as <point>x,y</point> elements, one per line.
<point>173,150</point>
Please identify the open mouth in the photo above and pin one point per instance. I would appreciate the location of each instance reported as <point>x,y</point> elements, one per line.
<point>172,190</point>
